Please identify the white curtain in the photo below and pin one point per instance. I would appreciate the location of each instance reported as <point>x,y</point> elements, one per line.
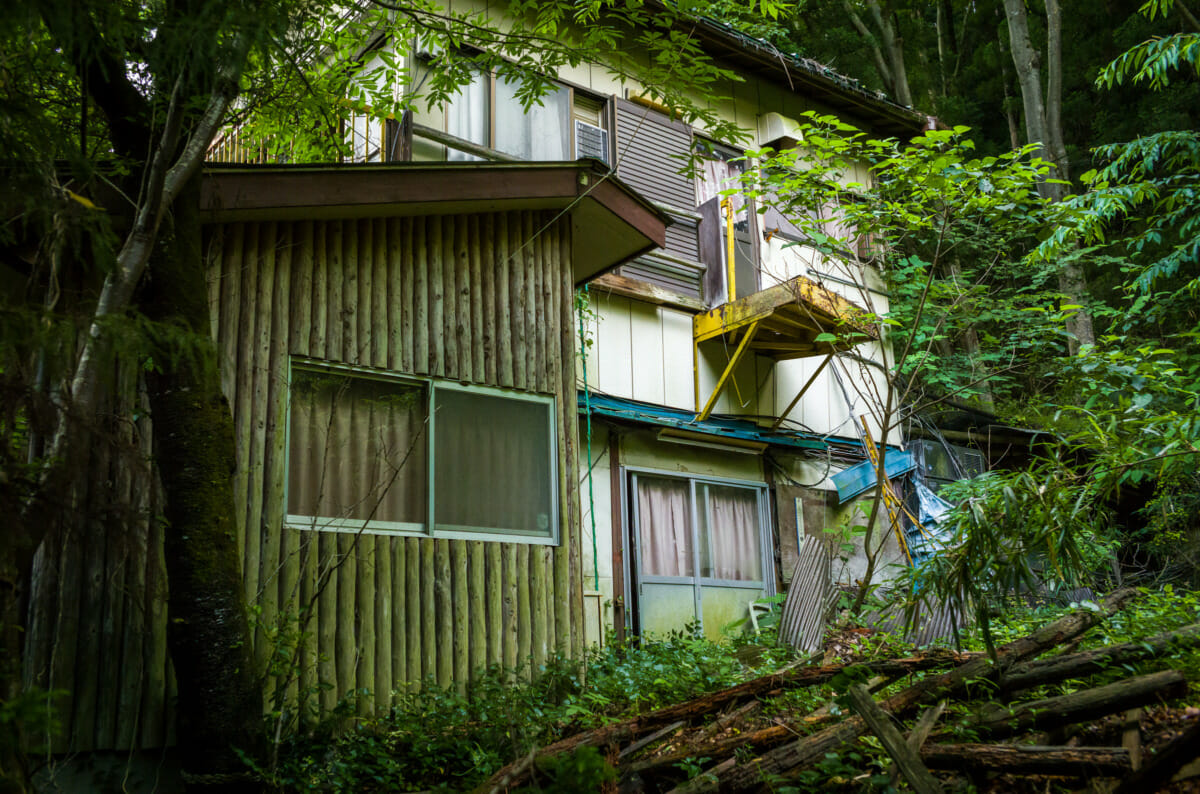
<point>664,526</point>
<point>467,116</point>
<point>540,133</point>
<point>731,543</point>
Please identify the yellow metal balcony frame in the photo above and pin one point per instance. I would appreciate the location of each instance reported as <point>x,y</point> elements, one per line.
<point>780,322</point>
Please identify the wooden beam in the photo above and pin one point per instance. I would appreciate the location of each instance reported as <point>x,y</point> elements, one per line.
<point>1029,759</point>
<point>645,291</point>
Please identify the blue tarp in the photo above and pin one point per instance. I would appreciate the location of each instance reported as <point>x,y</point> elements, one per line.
<point>861,477</point>
<point>930,537</point>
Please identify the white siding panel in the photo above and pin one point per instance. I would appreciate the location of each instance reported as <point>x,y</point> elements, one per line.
<point>678,386</point>
<point>646,336</point>
<point>613,341</point>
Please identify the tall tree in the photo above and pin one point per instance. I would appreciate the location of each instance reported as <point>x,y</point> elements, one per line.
<point>1043,127</point>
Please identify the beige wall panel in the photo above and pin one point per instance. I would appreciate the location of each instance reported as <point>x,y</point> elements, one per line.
<point>679,389</point>
<point>646,339</point>
<point>613,345</point>
<point>641,450</point>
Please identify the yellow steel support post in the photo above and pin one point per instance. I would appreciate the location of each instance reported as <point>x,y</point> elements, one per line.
<point>733,362</point>
<point>730,269</point>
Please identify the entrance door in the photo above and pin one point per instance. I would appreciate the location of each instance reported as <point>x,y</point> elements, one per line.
<point>699,551</point>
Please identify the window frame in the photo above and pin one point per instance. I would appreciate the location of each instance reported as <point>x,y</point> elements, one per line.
<point>430,528</point>
<point>767,583</point>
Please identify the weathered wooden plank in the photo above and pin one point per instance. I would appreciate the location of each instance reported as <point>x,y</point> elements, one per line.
<point>259,375</point>
<point>243,384</point>
<point>229,269</point>
<point>562,340</point>
<point>335,271</point>
<point>300,303</point>
<point>398,548</point>
<point>453,247</point>
<point>524,611</point>
<point>279,571</point>
<point>520,229</point>
<point>308,652</point>
<point>349,308</point>
<point>508,552</point>
<point>380,325</point>
<point>429,627</point>
<point>572,540</point>
<point>504,340</point>
<point>443,613</point>
<point>421,308</point>
<point>366,596</point>
<point>87,609</point>
<point>132,678</point>
<point>486,338</point>
<point>345,633</point>
<point>477,610</point>
<point>319,325</point>
<point>437,308</point>
<point>415,606</point>
<point>477,301</point>
<point>327,618</point>
<point>539,609</point>
<point>155,704</point>
<point>494,601</point>
<point>460,614</point>
<point>401,299</point>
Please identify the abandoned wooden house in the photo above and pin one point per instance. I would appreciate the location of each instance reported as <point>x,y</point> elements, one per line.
<point>440,467</point>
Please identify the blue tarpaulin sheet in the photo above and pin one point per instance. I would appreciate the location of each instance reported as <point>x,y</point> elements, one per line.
<point>931,537</point>
<point>861,477</point>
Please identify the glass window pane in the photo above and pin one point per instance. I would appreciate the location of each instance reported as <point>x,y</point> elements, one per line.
<point>664,526</point>
<point>467,116</point>
<point>540,133</point>
<point>357,448</point>
<point>730,535</point>
<point>493,459</point>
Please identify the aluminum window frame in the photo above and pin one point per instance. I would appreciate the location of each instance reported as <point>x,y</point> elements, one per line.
<point>429,529</point>
<point>697,581</point>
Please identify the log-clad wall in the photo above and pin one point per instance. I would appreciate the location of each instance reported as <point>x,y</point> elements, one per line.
<point>482,299</point>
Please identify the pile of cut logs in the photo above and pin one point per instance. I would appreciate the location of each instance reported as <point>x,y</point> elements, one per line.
<point>738,747</point>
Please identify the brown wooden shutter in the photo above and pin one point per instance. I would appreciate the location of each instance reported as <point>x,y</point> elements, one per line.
<point>650,152</point>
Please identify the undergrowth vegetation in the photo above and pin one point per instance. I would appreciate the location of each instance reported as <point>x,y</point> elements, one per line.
<point>448,740</point>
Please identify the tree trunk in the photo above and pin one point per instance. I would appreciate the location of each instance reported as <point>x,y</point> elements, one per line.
<point>1043,126</point>
<point>1028,759</point>
<point>220,700</point>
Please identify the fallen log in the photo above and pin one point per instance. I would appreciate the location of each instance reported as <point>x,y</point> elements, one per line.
<point>1166,762</point>
<point>907,759</point>
<point>1087,704</point>
<point>1029,759</point>
<point>795,677</point>
<point>794,756</point>
<point>1075,665</point>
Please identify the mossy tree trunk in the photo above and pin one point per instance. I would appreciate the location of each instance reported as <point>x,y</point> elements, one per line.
<point>220,699</point>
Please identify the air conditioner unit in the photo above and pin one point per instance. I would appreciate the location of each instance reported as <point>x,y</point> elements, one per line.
<point>590,141</point>
<point>778,131</point>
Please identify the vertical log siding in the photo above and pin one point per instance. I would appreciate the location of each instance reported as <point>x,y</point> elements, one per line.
<point>484,299</point>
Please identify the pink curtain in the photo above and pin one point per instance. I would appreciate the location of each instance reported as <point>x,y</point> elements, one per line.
<point>730,544</point>
<point>665,527</point>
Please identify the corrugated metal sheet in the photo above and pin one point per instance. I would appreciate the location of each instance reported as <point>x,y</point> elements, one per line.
<point>809,597</point>
<point>662,416</point>
<point>858,478</point>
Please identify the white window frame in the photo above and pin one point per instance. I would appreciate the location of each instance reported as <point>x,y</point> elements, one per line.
<point>429,529</point>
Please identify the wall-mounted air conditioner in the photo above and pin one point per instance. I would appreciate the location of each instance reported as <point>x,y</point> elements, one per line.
<point>778,131</point>
<point>590,141</point>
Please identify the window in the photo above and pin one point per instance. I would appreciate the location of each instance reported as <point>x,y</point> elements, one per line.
<point>489,112</point>
<point>377,452</point>
<point>700,550</point>
<point>720,168</point>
